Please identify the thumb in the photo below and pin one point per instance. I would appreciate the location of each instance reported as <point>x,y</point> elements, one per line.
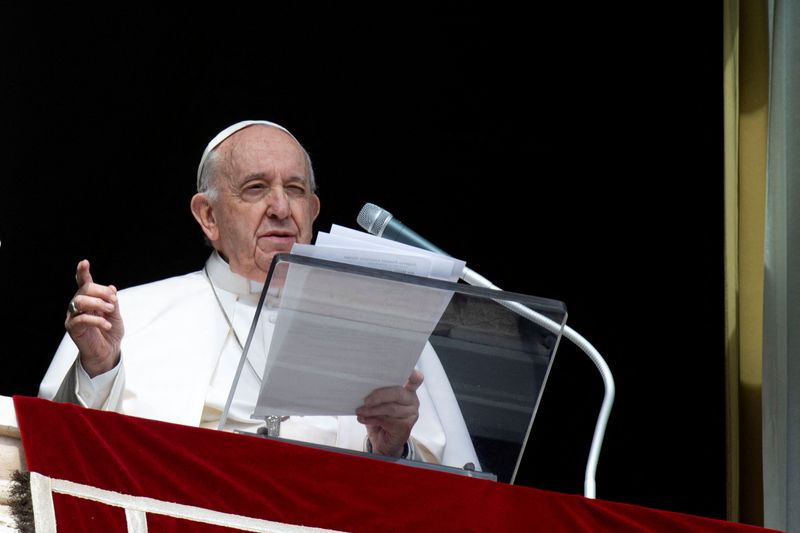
<point>414,380</point>
<point>82,275</point>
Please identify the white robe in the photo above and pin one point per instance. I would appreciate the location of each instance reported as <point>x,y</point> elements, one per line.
<point>176,362</point>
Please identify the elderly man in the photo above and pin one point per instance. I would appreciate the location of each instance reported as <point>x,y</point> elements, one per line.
<point>168,350</point>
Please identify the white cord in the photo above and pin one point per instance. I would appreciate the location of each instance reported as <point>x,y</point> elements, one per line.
<point>589,487</point>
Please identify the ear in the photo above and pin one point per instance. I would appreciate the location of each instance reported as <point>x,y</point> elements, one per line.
<point>314,206</point>
<point>203,212</point>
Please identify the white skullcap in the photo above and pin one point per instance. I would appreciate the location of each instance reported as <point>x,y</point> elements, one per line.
<point>227,132</point>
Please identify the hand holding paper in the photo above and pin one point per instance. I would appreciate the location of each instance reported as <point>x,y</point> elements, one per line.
<point>390,414</point>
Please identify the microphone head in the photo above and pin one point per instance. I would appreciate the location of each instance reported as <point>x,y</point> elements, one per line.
<point>373,219</point>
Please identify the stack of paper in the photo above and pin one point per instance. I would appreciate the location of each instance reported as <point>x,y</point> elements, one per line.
<point>359,248</point>
<point>339,336</point>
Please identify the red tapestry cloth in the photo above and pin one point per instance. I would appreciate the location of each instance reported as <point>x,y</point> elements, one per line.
<point>106,472</point>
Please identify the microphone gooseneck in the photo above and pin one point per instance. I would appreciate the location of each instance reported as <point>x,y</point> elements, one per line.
<point>381,223</point>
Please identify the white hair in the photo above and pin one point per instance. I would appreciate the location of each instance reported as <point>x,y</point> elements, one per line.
<point>209,162</point>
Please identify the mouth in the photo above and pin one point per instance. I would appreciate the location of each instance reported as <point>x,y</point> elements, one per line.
<point>278,237</point>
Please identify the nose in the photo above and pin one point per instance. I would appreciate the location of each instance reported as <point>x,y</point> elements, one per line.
<point>278,203</point>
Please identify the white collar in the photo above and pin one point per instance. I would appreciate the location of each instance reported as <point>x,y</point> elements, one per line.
<point>223,277</point>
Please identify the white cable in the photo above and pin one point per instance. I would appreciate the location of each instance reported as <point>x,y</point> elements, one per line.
<point>589,487</point>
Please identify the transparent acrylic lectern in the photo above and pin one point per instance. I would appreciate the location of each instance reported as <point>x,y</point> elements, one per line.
<point>325,334</point>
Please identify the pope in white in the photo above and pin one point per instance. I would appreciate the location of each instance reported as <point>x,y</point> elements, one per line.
<point>168,350</point>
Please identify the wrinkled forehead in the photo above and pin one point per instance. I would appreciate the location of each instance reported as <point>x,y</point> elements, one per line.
<point>220,137</point>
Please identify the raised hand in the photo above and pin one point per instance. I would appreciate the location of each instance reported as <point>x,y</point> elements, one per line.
<point>94,323</point>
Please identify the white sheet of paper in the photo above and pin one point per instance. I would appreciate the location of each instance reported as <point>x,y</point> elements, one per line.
<point>442,267</point>
<point>402,263</point>
<point>340,336</point>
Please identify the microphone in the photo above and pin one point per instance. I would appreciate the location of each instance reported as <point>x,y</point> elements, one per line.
<point>381,223</point>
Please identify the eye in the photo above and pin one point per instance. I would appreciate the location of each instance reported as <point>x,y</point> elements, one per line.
<point>253,191</point>
<point>295,189</point>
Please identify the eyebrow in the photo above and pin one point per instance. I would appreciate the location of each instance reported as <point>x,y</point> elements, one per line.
<point>263,176</point>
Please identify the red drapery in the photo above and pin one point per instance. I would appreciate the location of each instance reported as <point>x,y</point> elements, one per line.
<point>136,460</point>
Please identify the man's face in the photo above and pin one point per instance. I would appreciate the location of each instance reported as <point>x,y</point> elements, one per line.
<point>264,202</point>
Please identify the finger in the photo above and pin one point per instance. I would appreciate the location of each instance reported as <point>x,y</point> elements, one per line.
<point>394,409</point>
<point>105,292</point>
<point>92,304</point>
<point>389,411</point>
<point>389,395</point>
<point>77,323</point>
<point>395,401</point>
<point>82,274</point>
<point>388,424</point>
<point>406,394</point>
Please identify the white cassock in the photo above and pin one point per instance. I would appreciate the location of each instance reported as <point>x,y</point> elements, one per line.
<point>179,357</point>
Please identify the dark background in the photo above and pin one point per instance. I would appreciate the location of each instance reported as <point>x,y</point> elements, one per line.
<point>567,153</point>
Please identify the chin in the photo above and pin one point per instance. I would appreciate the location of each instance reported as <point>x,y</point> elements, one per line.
<point>263,263</point>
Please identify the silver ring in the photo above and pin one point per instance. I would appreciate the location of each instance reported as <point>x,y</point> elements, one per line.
<point>73,309</point>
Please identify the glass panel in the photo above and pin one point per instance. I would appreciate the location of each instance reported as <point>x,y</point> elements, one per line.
<point>485,355</point>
